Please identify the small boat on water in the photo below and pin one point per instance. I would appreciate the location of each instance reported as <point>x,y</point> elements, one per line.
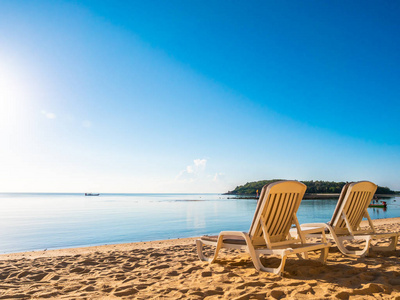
<point>378,205</point>
<point>92,194</point>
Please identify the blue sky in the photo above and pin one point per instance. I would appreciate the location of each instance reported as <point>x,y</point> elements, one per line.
<point>197,96</point>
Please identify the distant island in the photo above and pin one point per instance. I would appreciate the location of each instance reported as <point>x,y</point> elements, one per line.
<point>326,189</point>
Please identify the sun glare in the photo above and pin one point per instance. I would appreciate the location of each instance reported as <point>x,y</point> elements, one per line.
<point>15,92</point>
<point>16,89</point>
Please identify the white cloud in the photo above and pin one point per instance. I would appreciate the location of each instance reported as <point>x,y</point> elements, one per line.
<point>48,115</point>
<point>192,172</point>
<point>200,163</point>
<point>199,177</point>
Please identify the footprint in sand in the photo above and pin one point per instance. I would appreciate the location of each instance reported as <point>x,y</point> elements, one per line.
<point>173,273</point>
<point>79,270</point>
<point>251,283</point>
<point>125,291</point>
<point>20,275</point>
<point>277,294</point>
<point>206,274</point>
<point>48,295</point>
<point>89,262</point>
<point>89,288</point>
<point>191,269</point>
<point>159,267</point>
<point>37,277</point>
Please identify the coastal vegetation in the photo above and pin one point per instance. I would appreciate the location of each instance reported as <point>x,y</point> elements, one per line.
<point>313,187</point>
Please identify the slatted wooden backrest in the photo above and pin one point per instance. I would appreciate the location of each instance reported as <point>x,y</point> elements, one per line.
<point>340,202</point>
<point>278,204</point>
<point>358,197</point>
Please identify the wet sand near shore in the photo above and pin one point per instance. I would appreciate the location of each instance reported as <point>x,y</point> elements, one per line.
<point>171,270</point>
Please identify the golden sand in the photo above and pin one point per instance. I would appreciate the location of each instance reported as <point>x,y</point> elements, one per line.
<point>171,270</point>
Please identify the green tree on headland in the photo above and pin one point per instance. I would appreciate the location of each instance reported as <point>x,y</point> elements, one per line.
<point>313,187</point>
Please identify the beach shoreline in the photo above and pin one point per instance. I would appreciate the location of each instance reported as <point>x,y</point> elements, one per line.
<point>134,245</point>
<point>94,249</point>
<point>313,196</point>
<point>170,269</point>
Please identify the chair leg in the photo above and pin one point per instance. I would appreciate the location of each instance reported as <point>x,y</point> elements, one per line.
<point>391,247</point>
<point>260,267</point>
<point>219,245</point>
<point>199,246</point>
<point>278,270</point>
<point>324,255</point>
<point>357,253</point>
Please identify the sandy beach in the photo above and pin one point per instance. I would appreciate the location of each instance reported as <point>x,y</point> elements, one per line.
<point>171,270</point>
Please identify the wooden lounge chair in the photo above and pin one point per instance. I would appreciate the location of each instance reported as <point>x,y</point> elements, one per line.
<point>269,231</point>
<point>345,223</point>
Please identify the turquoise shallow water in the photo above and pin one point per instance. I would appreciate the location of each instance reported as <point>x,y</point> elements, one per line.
<point>53,221</point>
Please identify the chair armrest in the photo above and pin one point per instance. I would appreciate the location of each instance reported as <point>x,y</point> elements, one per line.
<point>310,228</point>
<point>322,225</point>
<point>242,234</point>
<point>314,229</point>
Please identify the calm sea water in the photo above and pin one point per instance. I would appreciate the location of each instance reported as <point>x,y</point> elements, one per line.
<point>53,221</point>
